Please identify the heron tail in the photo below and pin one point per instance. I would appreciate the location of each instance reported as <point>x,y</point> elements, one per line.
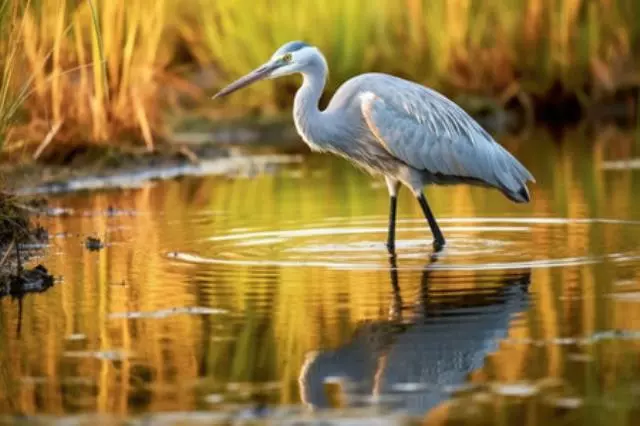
<point>520,196</point>
<point>511,176</point>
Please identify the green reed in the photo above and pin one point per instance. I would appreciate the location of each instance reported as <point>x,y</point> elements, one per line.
<point>96,71</point>
<point>463,45</point>
<point>14,85</point>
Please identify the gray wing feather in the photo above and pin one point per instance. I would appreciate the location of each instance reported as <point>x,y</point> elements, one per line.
<point>429,132</point>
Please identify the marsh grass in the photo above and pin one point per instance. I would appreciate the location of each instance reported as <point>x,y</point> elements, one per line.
<point>97,70</point>
<point>95,67</point>
<point>14,86</point>
<point>492,48</point>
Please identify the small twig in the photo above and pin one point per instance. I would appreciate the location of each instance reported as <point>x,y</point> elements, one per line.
<point>47,140</point>
<point>2,262</point>
<point>191,156</point>
<point>6,254</point>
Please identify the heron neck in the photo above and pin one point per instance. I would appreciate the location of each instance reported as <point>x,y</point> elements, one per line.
<point>306,112</point>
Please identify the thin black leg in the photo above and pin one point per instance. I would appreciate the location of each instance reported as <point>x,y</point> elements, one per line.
<point>391,237</point>
<point>438,238</point>
<point>395,310</point>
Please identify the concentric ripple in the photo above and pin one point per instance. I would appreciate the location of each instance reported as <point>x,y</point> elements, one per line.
<point>472,243</point>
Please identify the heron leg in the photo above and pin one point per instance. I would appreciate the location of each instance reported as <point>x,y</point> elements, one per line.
<point>438,238</point>
<point>393,186</point>
<point>391,237</point>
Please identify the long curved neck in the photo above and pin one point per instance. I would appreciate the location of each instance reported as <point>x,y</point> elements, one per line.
<point>306,113</point>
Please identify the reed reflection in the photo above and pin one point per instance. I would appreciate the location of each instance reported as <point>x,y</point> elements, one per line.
<point>422,351</point>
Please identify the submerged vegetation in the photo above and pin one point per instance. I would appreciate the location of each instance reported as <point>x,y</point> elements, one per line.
<point>103,71</point>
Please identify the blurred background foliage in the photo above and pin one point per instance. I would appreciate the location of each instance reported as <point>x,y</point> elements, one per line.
<point>110,71</point>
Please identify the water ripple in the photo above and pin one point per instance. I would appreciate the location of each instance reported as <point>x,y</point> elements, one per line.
<point>472,243</point>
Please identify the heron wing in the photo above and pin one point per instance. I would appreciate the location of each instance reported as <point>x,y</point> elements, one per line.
<point>429,132</point>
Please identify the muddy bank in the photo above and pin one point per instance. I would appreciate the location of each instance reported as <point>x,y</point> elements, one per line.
<point>114,168</point>
<point>199,145</point>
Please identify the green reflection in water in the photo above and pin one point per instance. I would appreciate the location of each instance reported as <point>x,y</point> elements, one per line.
<point>218,290</point>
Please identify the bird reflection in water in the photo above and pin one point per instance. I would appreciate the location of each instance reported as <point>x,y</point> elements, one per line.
<point>412,359</point>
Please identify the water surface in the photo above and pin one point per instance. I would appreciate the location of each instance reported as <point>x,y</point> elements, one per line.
<point>221,293</point>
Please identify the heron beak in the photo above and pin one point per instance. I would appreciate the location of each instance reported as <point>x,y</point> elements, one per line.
<point>255,75</point>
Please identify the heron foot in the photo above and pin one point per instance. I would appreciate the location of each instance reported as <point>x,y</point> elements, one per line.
<point>438,245</point>
<point>391,247</point>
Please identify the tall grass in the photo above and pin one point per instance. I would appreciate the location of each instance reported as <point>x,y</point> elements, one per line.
<point>471,45</point>
<point>102,61</point>
<point>13,84</point>
<point>96,69</point>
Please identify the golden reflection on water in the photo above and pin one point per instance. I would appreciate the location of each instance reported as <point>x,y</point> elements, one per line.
<point>257,323</point>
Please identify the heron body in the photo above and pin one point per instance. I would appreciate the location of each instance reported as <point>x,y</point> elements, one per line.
<point>392,127</point>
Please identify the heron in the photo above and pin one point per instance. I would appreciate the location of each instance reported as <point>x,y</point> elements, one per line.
<point>391,127</point>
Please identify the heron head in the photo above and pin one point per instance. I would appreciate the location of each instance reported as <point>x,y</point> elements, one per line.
<point>290,58</point>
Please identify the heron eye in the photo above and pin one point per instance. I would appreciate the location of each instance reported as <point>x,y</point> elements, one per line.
<point>288,57</point>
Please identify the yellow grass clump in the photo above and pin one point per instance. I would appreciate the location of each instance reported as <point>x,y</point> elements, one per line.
<point>94,69</point>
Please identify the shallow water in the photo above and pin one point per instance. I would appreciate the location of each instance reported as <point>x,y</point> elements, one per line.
<point>236,293</point>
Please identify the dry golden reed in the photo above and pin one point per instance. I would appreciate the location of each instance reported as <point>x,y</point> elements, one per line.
<point>94,69</point>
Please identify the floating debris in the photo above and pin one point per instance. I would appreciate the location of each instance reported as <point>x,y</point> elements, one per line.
<point>93,244</point>
<point>633,163</point>
<point>214,398</point>
<point>628,296</point>
<point>164,313</point>
<point>114,355</point>
<point>410,387</point>
<point>76,336</point>
<point>515,389</point>
<point>569,403</point>
<point>58,212</point>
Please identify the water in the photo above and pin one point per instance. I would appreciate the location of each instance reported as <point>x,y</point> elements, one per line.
<point>245,294</point>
